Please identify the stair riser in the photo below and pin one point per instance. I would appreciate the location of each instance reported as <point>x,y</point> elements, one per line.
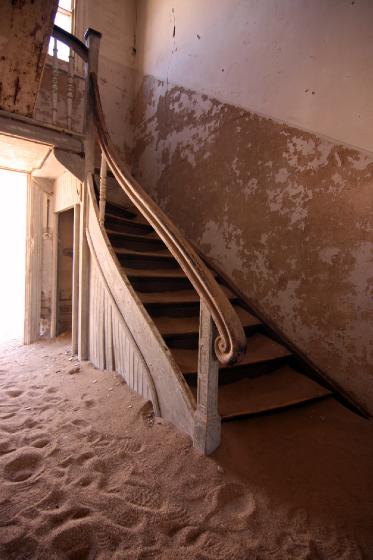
<point>159,284</point>
<point>231,375</point>
<point>147,262</point>
<point>190,340</point>
<point>127,227</point>
<point>120,212</point>
<point>141,244</point>
<point>173,309</point>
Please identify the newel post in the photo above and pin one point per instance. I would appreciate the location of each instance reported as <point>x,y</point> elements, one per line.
<point>92,39</point>
<point>207,421</point>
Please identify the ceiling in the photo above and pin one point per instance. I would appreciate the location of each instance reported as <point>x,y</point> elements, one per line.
<point>18,154</point>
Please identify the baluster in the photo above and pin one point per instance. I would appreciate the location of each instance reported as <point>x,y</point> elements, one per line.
<point>70,89</point>
<point>55,82</point>
<point>103,189</point>
<point>207,421</point>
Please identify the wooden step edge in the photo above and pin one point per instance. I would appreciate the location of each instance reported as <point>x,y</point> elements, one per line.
<point>136,219</point>
<point>145,236</point>
<point>146,254</point>
<point>278,408</point>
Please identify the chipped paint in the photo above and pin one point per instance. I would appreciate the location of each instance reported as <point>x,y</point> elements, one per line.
<point>25,28</point>
<point>287,214</point>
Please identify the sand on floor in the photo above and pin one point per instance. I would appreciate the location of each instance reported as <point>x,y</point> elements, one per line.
<point>87,472</point>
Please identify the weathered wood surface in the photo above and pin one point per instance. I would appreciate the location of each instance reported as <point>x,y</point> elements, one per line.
<point>207,427</point>
<point>25,28</point>
<point>112,346</point>
<point>176,402</point>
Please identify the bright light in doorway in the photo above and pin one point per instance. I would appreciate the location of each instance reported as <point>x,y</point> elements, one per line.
<point>13,192</point>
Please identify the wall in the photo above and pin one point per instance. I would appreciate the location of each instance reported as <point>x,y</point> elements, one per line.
<point>25,27</point>
<point>307,62</point>
<point>116,21</point>
<point>287,213</point>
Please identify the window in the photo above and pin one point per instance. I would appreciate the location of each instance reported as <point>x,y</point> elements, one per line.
<point>64,19</point>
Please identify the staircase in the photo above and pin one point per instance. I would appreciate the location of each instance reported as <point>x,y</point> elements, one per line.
<point>154,310</point>
<point>268,377</point>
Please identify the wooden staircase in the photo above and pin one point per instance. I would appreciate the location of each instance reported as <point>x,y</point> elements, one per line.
<point>268,378</point>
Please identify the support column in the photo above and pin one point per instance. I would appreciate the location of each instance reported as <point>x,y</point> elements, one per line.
<point>92,39</point>
<point>34,252</point>
<point>207,421</point>
<point>75,290</point>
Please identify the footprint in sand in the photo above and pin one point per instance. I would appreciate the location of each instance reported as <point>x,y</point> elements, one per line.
<point>76,539</point>
<point>52,390</point>
<point>23,464</point>
<point>144,497</point>
<point>14,393</point>
<point>131,445</point>
<point>231,506</point>
<point>6,446</point>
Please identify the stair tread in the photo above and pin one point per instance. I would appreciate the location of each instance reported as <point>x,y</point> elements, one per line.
<point>260,348</point>
<point>169,326</point>
<point>163,253</point>
<point>137,220</point>
<point>142,236</point>
<point>282,388</point>
<point>154,272</point>
<point>177,296</point>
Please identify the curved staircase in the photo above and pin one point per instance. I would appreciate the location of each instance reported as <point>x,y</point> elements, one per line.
<point>267,378</point>
<point>154,310</point>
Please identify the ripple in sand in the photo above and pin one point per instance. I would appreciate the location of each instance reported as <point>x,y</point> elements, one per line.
<point>23,465</point>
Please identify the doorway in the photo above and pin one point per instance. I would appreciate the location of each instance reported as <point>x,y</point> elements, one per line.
<point>12,254</point>
<point>65,271</point>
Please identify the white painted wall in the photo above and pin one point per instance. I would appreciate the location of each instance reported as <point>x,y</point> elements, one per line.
<point>116,20</point>
<point>269,56</point>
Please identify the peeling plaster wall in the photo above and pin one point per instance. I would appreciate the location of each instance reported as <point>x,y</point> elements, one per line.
<point>307,62</point>
<point>287,214</point>
<point>25,26</point>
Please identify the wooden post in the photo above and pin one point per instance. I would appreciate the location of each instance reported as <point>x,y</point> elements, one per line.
<point>54,295</point>
<point>93,43</point>
<point>34,248</point>
<point>75,294</point>
<point>207,422</point>
<point>55,82</point>
<point>103,188</point>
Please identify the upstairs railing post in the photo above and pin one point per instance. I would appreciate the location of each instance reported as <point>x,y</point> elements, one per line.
<point>207,421</point>
<point>92,39</point>
<point>55,82</point>
<point>70,89</point>
<point>103,188</point>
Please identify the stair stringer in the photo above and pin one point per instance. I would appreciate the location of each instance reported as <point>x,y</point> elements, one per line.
<point>123,337</point>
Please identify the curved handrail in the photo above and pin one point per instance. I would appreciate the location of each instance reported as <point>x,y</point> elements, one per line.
<point>71,41</point>
<point>231,340</point>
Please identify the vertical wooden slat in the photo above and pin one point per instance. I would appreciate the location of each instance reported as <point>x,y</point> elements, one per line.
<point>103,189</point>
<point>70,89</point>
<point>55,82</point>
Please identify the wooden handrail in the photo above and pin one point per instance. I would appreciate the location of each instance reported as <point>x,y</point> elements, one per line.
<point>231,340</point>
<point>71,41</point>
